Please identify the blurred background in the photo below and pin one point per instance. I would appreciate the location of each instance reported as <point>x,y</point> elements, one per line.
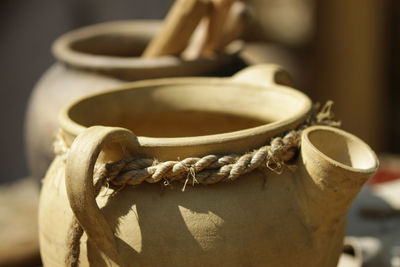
<point>340,50</point>
<point>335,49</point>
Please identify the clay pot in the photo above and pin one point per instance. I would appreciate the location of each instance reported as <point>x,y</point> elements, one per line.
<point>93,58</point>
<point>295,218</point>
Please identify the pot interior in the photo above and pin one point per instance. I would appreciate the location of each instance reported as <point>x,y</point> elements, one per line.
<point>173,123</point>
<point>111,39</point>
<point>188,107</point>
<point>112,44</point>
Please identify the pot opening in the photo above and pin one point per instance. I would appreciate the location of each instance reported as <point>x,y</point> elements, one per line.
<point>111,44</point>
<point>187,108</point>
<point>175,123</point>
<point>343,148</point>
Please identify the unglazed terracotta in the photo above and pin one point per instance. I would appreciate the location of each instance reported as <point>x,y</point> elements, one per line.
<point>94,58</point>
<point>296,218</point>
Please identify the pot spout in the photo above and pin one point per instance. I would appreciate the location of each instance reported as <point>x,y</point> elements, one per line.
<point>335,165</point>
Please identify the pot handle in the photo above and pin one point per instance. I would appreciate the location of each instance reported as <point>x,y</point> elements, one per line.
<point>80,190</point>
<point>264,74</point>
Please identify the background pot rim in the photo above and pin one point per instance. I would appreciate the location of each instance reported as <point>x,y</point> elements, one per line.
<point>63,51</point>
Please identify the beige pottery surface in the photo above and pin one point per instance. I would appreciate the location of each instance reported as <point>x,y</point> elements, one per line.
<point>94,58</point>
<point>289,219</point>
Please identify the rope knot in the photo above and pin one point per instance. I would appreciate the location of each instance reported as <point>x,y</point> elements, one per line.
<point>325,116</point>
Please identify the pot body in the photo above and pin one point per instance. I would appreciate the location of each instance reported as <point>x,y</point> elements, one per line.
<point>59,86</point>
<point>262,218</point>
<point>254,221</point>
<point>92,59</point>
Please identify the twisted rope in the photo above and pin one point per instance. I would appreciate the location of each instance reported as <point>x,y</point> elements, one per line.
<point>206,170</point>
<point>209,169</point>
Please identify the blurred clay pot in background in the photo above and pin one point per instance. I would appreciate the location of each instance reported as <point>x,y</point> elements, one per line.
<point>92,59</point>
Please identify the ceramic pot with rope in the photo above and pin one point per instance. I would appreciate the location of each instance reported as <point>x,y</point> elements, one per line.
<point>236,171</point>
<point>96,57</point>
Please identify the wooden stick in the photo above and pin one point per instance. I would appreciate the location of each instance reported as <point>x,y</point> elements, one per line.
<point>236,22</point>
<point>217,20</point>
<point>178,27</point>
<point>197,42</point>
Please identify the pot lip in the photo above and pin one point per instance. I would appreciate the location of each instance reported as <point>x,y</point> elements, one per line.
<point>63,52</point>
<point>375,162</point>
<point>73,129</point>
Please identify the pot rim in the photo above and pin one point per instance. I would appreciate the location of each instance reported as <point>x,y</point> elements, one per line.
<point>266,130</point>
<point>63,51</point>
